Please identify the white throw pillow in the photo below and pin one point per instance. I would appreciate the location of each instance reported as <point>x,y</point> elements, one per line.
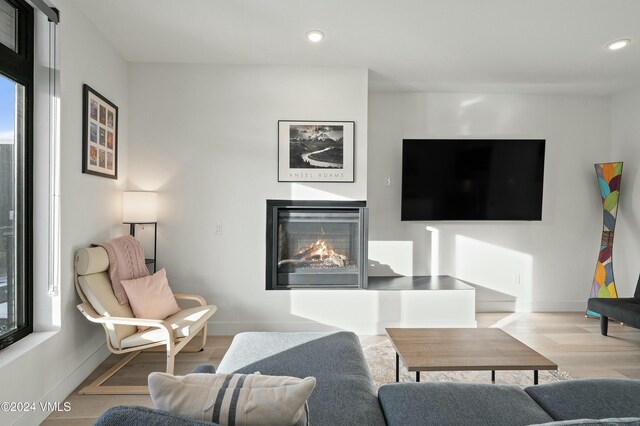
<point>233,399</point>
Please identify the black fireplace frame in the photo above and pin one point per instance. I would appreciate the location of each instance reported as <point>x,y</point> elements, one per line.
<point>273,208</point>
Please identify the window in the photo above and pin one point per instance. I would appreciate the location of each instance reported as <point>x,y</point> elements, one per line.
<point>16,134</point>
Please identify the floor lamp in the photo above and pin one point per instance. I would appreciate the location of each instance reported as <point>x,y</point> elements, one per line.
<point>141,208</point>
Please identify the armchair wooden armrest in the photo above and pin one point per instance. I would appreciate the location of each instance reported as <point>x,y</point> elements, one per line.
<point>90,313</point>
<point>195,297</point>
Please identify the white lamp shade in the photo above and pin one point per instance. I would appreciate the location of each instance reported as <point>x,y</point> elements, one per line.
<point>139,207</point>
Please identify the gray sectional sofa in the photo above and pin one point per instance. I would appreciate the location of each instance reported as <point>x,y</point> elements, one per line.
<point>345,395</point>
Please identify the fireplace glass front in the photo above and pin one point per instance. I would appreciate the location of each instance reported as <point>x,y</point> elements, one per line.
<point>317,246</point>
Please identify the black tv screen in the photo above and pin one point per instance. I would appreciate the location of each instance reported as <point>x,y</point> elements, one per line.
<point>472,179</point>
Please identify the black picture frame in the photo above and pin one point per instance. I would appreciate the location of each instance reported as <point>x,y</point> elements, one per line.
<point>99,134</point>
<point>294,161</point>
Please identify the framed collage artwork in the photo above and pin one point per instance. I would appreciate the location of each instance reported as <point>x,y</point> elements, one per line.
<point>99,135</point>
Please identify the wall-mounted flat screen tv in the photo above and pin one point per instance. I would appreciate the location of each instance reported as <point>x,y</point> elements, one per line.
<point>472,179</point>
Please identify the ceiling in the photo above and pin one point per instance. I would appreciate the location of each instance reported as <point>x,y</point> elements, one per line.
<point>514,46</point>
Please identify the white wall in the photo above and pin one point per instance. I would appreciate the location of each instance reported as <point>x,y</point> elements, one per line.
<point>205,138</point>
<point>90,209</point>
<point>625,132</point>
<point>545,265</point>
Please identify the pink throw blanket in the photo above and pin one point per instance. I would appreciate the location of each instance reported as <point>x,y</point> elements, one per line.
<point>126,262</point>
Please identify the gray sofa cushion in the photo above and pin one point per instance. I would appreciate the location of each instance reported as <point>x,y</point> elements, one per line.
<point>626,421</point>
<point>142,416</point>
<point>344,393</point>
<point>458,404</point>
<point>588,398</point>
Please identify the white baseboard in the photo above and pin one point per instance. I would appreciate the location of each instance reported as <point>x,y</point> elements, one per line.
<point>63,389</point>
<point>233,328</point>
<point>559,306</point>
<point>535,306</point>
<point>495,306</point>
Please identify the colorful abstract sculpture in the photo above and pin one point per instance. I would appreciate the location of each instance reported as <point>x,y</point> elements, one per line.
<point>609,178</point>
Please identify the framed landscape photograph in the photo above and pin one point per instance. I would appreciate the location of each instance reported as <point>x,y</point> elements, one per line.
<point>315,151</point>
<point>99,135</point>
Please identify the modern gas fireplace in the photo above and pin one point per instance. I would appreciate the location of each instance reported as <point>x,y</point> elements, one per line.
<point>316,244</point>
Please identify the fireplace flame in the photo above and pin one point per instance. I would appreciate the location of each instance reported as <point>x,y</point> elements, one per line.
<point>318,254</point>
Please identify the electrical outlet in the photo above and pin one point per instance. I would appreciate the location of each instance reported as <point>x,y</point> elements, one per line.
<point>388,181</point>
<point>218,228</point>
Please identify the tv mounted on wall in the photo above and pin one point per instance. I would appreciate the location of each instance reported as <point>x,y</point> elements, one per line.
<point>472,179</point>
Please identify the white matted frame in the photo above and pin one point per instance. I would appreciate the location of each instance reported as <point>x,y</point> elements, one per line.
<point>316,151</point>
<point>99,134</point>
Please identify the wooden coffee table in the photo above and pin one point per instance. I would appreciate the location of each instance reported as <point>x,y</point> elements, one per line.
<point>464,349</point>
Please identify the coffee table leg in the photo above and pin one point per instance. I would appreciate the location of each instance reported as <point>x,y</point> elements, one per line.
<point>417,376</point>
<point>397,367</point>
<point>535,377</point>
<point>493,376</point>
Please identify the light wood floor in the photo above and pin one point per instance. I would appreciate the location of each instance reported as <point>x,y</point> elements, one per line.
<point>569,339</point>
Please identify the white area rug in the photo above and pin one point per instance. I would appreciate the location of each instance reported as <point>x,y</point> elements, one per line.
<point>381,359</point>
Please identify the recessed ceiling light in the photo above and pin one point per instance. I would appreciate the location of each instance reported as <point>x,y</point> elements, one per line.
<point>315,36</point>
<point>618,44</point>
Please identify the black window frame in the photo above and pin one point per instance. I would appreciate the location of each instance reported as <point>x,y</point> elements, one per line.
<point>18,66</point>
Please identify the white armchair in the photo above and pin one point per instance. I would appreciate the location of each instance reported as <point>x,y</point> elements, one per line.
<point>100,305</point>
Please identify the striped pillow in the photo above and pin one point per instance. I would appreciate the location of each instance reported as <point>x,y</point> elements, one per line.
<point>234,399</point>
